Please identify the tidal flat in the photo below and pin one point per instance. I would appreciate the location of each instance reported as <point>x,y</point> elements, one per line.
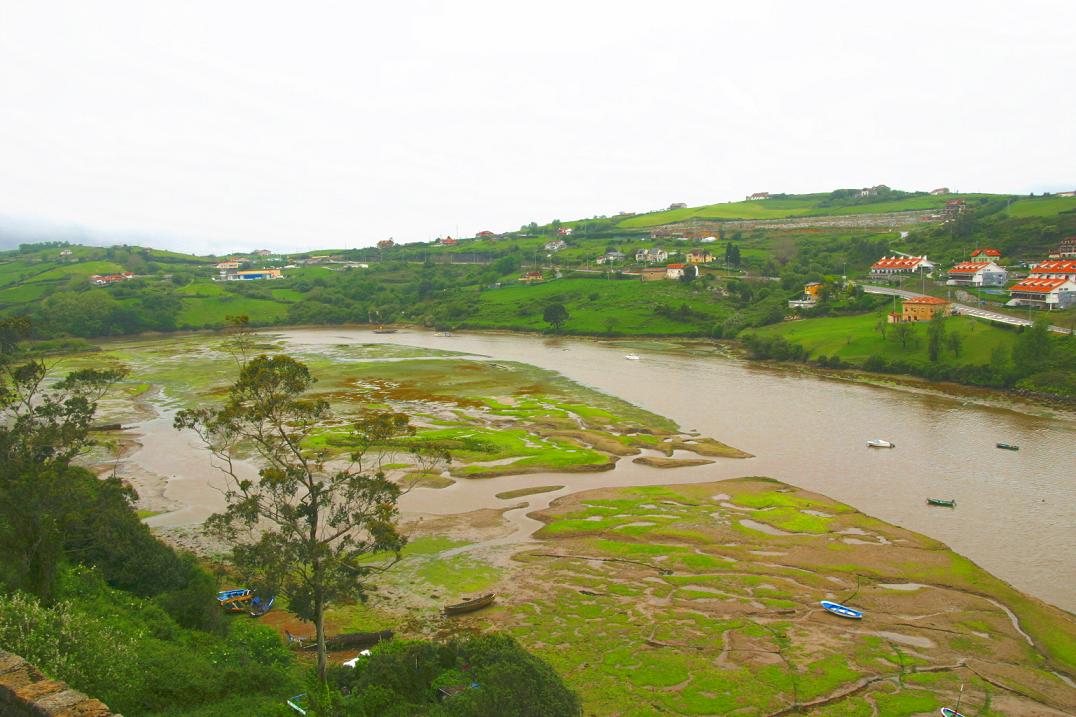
<point>699,598</point>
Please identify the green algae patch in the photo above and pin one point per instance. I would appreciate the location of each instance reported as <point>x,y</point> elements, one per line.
<point>652,600</point>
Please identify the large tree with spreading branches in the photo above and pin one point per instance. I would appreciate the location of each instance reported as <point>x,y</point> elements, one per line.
<point>306,527</point>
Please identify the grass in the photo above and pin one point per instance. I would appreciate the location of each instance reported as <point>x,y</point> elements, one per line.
<point>1041,206</point>
<point>600,306</point>
<point>802,205</point>
<point>856,338</point>
<point>210,311</point>
<point>521,492</point>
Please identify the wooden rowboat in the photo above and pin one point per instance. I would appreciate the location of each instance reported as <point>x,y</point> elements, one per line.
<point>942,502</point>
<point>842,610</point>
<point>471,605</point>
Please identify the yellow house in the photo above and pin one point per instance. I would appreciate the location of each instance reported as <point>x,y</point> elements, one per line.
<point>813,290</point>
<point>923,308</point>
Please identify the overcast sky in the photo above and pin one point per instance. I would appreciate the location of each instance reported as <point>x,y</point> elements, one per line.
<point>237,125</point>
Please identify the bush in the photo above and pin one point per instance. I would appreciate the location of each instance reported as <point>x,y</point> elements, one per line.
<point>498,677</point>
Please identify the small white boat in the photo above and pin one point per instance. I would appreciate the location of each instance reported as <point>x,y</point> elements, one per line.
<point>880,443</point>
<point>444,334</point>
<point>631,357</point>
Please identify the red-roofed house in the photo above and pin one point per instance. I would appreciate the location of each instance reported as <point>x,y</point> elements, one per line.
<point>977,273</point>
<point>532,276</point>
<point>1062,269</point>
<point>1043,293</point>
<point>106,279</point>
<point>923,308</point>
<point>887,267</point>
<point>940,190</point>
<point>986,255</point>
<point>449,241</point>
<point>674,271</point>
<point>757,196</point>
<point>485,234</point>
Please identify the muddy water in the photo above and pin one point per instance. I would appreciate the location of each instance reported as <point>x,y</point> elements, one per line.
<point>1015,514</point>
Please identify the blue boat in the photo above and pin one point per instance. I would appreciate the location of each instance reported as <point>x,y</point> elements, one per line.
<point>841,610</point>
<point>228,595</point>
<point>259,607</point>
<point>947,712</point>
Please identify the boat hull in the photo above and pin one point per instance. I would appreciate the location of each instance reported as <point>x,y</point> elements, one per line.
<point>470,605</point>
<point>841,610</point>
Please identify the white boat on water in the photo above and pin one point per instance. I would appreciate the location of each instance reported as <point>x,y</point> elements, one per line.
<point>880,443</point>
<point>444,334</point>
<point>631,357</point>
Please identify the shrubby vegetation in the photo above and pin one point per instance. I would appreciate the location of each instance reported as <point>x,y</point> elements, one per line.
<point>469,677</point>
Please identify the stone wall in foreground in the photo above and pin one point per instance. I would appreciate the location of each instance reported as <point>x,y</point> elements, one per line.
<point>26,692</point>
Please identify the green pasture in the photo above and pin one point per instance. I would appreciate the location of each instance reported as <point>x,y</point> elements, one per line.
<point>1041,206</point>
<point>856,338</point>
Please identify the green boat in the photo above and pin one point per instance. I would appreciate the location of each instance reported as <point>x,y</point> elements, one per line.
<point>942,501</point>
<point>1008,446</point>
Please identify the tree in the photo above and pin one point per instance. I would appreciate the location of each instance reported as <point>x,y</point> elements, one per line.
<point>935,336</point>
<point>1031,351</point>
<point>903,331</point>
<point>956,344</point>
<point>43,427</point>
<point>303,529</point>
<point>882,326</point>
<point>556,315</point>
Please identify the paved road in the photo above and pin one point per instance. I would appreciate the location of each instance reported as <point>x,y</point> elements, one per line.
<point>964,308</point>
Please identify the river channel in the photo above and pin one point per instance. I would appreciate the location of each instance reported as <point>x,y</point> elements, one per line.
<point>1015,513</point>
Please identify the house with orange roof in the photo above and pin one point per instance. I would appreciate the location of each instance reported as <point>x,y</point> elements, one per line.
<point>674,271</point>
<point>986,255</point>
<point>897,266</point>
<point>977,273</point>
<point>921,308</point>
<point>531,276</point>
<point>1054,269</point>
<point>1044,293</point>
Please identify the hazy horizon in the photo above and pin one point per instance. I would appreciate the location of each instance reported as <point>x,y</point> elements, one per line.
<point>213,129</point>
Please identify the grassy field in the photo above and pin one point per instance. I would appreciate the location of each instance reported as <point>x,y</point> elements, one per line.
<point>855,338</point>
<point>1041,206</point>
<point>600,306</point>
<point>212,310</point>
<point>801,205</point>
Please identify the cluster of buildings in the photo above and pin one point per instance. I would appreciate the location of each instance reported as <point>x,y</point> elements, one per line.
<point>109,279</point>
<point>1050,284</point>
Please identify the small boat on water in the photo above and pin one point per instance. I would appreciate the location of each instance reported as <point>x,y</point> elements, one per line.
<point>476,603</point>
<point>949,712</point>
<point>1008,447</point>
<point>383,330</point>
<point>880,443</point>
<point>444,334</point>
<point>259,607</point>
<point>942,501</point>
<point>631,357</point>
<point>842,610</point>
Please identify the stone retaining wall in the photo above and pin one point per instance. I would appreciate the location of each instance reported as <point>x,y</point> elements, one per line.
<point>26,692</point>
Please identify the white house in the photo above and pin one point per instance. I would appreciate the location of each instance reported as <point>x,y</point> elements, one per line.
<point>977,273</point>
<point>555,245</point>
<point>675,271</point>
<point>611,257</point>
<point>655,254</point>
<point>1043,293</point>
